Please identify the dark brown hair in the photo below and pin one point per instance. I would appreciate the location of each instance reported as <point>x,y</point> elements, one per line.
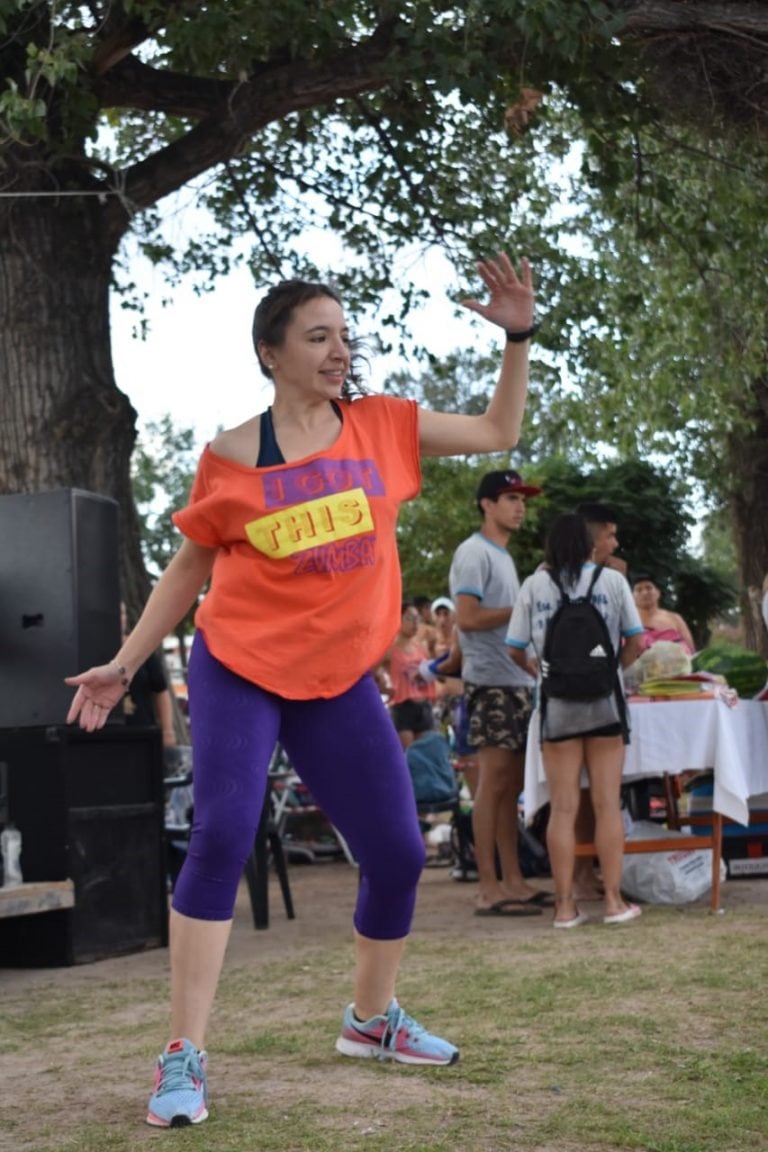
<point>274,313</point>
<point>568,546</point>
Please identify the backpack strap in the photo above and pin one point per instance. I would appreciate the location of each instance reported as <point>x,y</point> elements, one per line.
<point>599,568</point>
<point>587,595</point>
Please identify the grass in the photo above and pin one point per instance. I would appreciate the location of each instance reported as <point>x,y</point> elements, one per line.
<point>650,1037</point>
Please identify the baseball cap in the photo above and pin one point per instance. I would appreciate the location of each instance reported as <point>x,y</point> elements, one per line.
<point>495,484</point>
<point>443,602</point>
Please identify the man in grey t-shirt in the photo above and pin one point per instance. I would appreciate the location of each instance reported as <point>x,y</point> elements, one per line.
<point>484,585</point>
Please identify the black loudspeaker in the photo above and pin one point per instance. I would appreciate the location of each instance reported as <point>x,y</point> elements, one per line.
<point>90,808</point>
<point>59,598</point>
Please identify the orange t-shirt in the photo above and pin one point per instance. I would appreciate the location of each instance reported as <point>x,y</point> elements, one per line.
<point>305,594</point>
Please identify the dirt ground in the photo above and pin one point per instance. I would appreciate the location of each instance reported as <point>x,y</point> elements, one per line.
<point>323,895</point>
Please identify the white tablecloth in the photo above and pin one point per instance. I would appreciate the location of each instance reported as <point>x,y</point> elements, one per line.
<point>676,737</point>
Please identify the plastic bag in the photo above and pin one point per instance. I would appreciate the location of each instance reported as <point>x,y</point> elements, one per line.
<point>666,877</point>
<point>663,659</point>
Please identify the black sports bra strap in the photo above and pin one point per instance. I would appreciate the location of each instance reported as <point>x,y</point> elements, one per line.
<point>269,449</point>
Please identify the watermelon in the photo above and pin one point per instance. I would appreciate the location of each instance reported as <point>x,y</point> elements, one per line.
<point>745,671</point>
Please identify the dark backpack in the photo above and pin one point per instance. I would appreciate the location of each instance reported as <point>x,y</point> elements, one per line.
<point>578,662</point>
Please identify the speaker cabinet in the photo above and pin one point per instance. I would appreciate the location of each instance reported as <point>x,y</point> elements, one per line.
<point>59,598</point>
<point>91,809</point>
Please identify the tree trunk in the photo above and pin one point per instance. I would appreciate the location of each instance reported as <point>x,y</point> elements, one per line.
<point>63,421</point>
<point>748,462</point>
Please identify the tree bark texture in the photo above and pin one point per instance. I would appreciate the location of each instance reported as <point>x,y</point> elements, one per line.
<point>63,421</point>
<point>747,455</point>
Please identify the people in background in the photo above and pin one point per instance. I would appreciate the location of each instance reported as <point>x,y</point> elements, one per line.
<point>292,517</point>
<point>427,632</point>
<point>659,623</point>
<point>603,528</point>
<point>602,524</point>
<point>446,670</point>
<point>499,694</point>
<point>148,703</point>
<point>411,696</point>
<point>444,619</point>
<point>432,773</point>
<point>567,748</point>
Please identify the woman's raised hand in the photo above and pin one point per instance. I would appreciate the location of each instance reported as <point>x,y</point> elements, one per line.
<point>98,691</point>
<point>511,302</point>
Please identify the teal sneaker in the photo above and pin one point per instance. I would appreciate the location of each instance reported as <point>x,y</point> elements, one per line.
<point>180,1096</point>
<point>393,1036</point>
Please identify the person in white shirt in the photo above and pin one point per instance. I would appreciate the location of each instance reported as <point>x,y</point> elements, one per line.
<point>568,551</point>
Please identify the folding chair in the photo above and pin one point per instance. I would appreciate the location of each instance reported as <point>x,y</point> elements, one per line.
<point>257,866</point>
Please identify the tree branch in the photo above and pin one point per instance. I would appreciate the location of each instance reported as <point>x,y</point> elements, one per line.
<point>117,37</point>
<point>747,17</point>
<point>120,33</point>
<point>135,85</point>
<point>667,33</point>
<point>249,106</point>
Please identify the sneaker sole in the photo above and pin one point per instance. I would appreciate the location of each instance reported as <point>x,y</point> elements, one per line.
<point>374,1052</point>
<point>180,1121</point>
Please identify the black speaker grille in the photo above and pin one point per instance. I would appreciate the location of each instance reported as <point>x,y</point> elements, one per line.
<point>59,598</point>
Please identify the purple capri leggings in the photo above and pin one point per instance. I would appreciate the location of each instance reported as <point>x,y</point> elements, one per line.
<point>348,754</point>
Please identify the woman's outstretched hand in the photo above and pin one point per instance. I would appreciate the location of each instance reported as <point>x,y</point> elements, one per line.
<point>98,691</point>
<point>511,303</point>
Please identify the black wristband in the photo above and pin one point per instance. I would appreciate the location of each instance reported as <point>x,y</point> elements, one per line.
<point>521,337</point>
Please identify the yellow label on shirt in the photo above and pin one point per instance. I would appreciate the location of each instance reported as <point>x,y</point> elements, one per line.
<point>314,522</point>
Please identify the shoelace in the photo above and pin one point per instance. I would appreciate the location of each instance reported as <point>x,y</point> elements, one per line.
<point>176,1074</point>
<point>396,1021</point>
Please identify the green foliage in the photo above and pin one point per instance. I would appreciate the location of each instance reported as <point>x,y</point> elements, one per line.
<point>431,527</point>
<point>164,463</point>
<point>702,594</point>
<point>745,671</point>
<point>162,470</point>
<point>670,341</point>
<point>650,510</point>
<point>653,530</point>
<point>652,285</point>
<point>653,526</point>
<point>421,152</point>
<point>20,114</point>
<point>717,540</point>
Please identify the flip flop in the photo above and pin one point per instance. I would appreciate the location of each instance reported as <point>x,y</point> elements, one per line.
<point>543,899</point>
<point>510,908</point>
<point>576,922</point>
<point>631,912</point>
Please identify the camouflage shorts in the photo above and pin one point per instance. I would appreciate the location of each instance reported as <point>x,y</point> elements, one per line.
<point>498,717</point>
